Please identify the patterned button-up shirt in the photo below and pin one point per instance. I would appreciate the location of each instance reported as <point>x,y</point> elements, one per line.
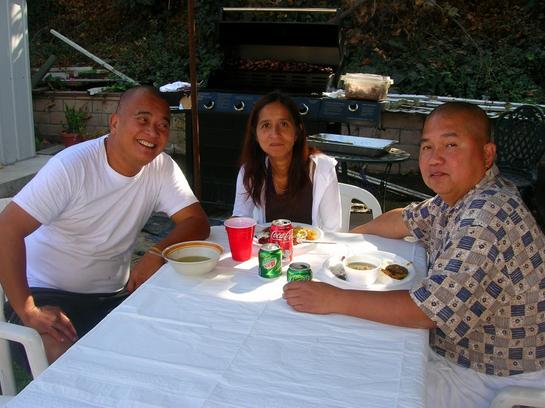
<point>485,288</point>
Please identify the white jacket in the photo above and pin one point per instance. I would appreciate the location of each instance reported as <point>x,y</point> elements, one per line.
<point>326,199</point>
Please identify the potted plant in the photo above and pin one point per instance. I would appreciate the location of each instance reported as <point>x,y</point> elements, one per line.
<point>74,127</point>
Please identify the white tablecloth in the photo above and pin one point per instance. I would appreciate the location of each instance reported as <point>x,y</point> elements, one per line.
<point>228,339</point>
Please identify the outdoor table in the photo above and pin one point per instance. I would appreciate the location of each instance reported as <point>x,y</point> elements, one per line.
<point>394,156</point>
<point>229,339</point>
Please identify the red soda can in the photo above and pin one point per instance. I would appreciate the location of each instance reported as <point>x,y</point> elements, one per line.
<point>281,233</point>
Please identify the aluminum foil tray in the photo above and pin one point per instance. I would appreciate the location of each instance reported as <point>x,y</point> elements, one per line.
<point>364,146</point>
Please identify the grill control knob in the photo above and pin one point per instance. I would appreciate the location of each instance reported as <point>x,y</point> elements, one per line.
<point>239,106</point>
<point>353,107</point>
<point>209,105</point>
<point>303,109</point>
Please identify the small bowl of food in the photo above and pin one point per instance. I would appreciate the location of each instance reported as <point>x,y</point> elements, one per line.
<point>362,269</point>
<point>193,257</point>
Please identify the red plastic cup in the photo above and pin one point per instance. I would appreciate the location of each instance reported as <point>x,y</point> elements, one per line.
<point>240,231</point>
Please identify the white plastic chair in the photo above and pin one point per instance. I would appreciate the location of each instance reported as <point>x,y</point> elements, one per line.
<point>518,395</point>
<point>28,337</point>
<point>34,348</point>
<point>349,193</point>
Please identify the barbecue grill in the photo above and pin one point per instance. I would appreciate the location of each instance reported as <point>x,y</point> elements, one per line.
<point>301,59</point>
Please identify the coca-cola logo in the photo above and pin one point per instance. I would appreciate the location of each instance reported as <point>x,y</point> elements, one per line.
<point>282,235</point>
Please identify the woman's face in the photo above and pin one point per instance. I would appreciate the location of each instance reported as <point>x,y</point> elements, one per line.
<point>276,131</point>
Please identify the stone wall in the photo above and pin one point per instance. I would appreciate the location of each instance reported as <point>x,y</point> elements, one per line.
<point>49,115</point>
<point>405,128</point>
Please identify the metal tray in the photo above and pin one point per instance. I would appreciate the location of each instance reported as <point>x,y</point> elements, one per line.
<point>364,146</point>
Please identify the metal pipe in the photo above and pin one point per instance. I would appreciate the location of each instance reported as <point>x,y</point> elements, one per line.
<point>282,9</point>
<point>93,57</point>
<point>37,77</point>
<point>194,106</point>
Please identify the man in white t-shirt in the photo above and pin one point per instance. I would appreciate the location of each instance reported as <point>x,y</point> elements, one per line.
<point>66,238</point>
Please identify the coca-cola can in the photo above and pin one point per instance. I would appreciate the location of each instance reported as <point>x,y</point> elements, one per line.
<point>281,233</point>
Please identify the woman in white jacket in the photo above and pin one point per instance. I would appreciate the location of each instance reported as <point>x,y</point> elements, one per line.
<point>280,176</point>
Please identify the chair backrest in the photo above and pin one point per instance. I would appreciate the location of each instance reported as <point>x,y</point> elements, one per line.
<point>34,349</point>
<point>520,139</point>
<point>7,379</point>
<point>28,337</point>
<point>349,193</point>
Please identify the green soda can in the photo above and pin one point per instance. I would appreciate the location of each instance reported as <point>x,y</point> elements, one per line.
<point>299,271</point>
<point>270,261</point>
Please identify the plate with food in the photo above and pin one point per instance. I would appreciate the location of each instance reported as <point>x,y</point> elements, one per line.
<point>303,234</point>
<point>377,270</point>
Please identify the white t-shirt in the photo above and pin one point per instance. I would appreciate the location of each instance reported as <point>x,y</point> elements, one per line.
<point>91,215</point>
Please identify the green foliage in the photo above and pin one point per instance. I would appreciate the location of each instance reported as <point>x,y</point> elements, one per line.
<point>134,3</point>
<point>22,377</point>
<point>76,120</point>
<point>120,86</point>
<point>453,49</point>
<point>458,48</point>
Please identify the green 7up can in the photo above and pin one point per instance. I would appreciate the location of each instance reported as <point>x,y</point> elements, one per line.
<point>299,271</point>
<point>270,261</point>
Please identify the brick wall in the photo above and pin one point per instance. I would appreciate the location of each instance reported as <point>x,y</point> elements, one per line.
<point>405,128</point>
<point>49,115</point>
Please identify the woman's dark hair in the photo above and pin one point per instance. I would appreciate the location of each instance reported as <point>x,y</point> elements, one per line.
<point>253,157</point>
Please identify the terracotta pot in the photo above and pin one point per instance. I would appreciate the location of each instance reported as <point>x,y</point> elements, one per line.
<point>70,139</point>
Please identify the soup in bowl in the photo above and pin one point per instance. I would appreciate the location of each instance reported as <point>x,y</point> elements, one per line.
<point>193,257</point>
<point>361,269</point>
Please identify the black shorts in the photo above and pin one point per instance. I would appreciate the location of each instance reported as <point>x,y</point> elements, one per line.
<point>83,309</point>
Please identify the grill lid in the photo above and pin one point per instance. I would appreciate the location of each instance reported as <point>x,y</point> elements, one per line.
<point>293,56</point>
<point>313,43</point>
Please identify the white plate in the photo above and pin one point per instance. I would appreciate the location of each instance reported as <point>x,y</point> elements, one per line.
<point>260,227</point>
<point>383,281</point>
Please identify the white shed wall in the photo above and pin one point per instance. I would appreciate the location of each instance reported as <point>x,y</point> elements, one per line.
<point>16,120</point>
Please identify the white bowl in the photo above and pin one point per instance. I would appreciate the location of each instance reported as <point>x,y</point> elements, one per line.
<point>361,276</point>
<point>179,256</point>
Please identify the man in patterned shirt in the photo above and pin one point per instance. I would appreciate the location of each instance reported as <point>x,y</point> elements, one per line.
<point>484,297</point>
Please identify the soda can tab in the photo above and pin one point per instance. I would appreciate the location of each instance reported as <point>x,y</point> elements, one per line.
<point>281,233</point>
<point>270,261</point>
<point>299,271</point>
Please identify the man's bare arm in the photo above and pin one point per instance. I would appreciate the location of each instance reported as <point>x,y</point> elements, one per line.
<point>388,225</point>
<point>394,307</point>
<point>15,225</point>
<point>191,224</point>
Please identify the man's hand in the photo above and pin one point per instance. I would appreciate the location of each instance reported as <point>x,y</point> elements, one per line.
<point>312,297</point>
<point>50,320</point>
<point>141,272</point>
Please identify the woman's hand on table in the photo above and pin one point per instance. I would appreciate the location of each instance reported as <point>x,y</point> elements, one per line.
<point>312,297</point>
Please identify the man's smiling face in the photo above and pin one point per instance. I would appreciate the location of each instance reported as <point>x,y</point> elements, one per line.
<point>139,132</point>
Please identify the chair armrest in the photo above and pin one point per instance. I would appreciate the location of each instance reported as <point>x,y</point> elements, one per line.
<point>31,341</point>
<point>518,395</point>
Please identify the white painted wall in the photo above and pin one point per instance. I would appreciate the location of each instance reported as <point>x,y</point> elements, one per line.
<point>16,121</point>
